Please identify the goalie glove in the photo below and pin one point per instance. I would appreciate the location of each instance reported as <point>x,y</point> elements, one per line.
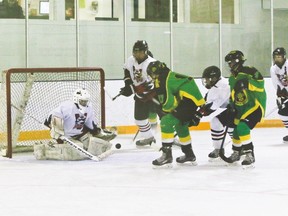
<point>106,134</point>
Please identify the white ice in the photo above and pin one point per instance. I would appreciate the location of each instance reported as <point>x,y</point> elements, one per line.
<point>126,184</point>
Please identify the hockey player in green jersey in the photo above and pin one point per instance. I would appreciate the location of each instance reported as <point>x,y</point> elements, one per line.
<point>179,98</point>
<point>248,102</point>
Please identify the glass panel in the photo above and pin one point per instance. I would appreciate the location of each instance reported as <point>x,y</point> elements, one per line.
<point>207,11</point>
<point>39,9</point>
<point>69,10</point>
<point>252,35</point>
<point>156,33</point>
<point>12,34</point>
<point>52,42</point>
<point>101,42</point>
<point>154,10</point>
<point>196,46</point>
<point>280,23</point>
<point>12,9</point>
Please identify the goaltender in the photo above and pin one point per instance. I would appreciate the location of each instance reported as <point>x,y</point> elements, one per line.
<point>74,120</point>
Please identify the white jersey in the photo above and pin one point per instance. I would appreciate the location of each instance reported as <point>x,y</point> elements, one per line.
<point>74,120</point>
<point>219,94</point>
<point>138,72</point>
<point>279,76</point>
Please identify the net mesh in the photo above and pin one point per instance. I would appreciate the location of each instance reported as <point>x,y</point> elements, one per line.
<point>34,93</point>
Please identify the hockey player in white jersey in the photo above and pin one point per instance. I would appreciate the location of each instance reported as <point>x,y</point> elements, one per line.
<point>216,97</point>
<point>279,79</point>
<point>74,120</point>
<point>138,82</point>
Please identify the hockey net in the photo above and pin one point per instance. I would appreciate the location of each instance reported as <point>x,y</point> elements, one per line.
<point>28,95</point>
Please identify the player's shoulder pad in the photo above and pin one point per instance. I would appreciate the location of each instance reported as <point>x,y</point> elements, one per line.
<point>253,72</point>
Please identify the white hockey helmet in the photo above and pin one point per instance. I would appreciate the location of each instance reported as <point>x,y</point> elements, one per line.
<point>81,97</point>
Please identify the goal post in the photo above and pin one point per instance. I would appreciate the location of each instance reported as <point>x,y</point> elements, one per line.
<point>28,95</point>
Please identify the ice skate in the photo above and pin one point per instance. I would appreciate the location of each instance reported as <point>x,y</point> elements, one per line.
<point>184,159</point>
<point>285,139</point>
<point>166,159</point>
<point>235,156</point>
<point>249,160</point>
<point>145,142</point>
<point>188,158</point>
<point>214,155</point>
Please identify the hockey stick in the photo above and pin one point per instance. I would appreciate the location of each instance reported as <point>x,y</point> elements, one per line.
<point>112,98</point>
<point>116,96</point>
<point>221,152</point>
<point>78,148</point>
<point>71,143</point>
<point>135,136</point>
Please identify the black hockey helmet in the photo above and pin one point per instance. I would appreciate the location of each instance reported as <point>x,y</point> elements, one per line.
<point>210,76</point>
<point>279,51</point>
<point>235,59</point>
<point>155,68</point>
<point>140,45</point>
<point>279,56</point>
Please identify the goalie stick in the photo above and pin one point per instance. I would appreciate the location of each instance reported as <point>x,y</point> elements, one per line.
<point>71,143</point>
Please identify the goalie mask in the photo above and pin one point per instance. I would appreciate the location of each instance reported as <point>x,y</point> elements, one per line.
<point>211,75</point>
<point>235,60</point>
<point>279,56</point>
<point>81,98</point>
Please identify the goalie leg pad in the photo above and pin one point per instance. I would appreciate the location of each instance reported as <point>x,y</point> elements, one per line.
<point>54,151</point>
<point>98,146</point>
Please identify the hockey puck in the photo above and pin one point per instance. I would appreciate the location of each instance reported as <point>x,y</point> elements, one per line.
<point>118,146</point>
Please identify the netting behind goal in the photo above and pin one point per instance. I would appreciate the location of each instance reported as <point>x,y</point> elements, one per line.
<point>27,96</point>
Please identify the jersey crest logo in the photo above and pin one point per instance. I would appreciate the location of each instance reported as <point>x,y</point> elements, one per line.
<point>138,76</point>
<point>283,78</point>
<point>79,121</point>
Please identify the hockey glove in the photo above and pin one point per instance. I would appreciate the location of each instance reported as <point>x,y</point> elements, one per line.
<point>195,119</point>
<point>281,102</point>
<point>230,115</point>
<point>282,92</point>
<point>185,110</point>
<point>206,110</point>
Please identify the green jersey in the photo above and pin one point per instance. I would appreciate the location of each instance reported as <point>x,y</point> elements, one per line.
<point>172,87</point>
<point>247,100</point>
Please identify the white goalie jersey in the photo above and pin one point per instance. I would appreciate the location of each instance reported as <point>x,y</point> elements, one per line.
<point>73,119</point>
<point>138,72</point>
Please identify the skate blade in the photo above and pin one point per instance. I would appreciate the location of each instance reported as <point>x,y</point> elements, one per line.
<point>143,146</point>
<point>164,166</point>
<point>215,160</point>
<point>188,163</point>
<point>247,167</point>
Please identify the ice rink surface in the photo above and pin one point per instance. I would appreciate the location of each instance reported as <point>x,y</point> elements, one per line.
<point>126,184</point>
